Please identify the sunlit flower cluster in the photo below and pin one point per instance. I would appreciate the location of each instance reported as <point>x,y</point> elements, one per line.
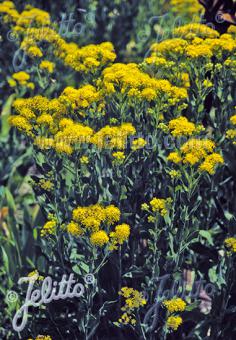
<point>198,151</point>
<point>22,79</point>
<point>129,79</point>
<point>181,126</point>
<point>96,221</point>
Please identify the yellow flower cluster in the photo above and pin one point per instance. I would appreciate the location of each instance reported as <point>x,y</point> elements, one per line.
<point>159,62</point>
<point>46,121</point>
<point>192,30</point>
<point>119,236</point>
<point>70,98</point>
<point>10,13</point>
<point>85,59</point>
<point>133,300</point>
<point>47,65</point>
<point>35,26</point>
<point>113,137</point>
<point>20,78</point>
<point>99,238</point>
<point>129,79</point>
<point>230,244</point>
<point>173,322</point>
<point>181,126</point>
<point>231,133</point>
<point>191,42</point>
<point>22,124</point>
<point>138,143</point>
<point>84,160</point>
<point>169,47</point>
<point>119,156</point>
<point>189,8</point>
<point>32,17</point>
<point>42,337</point>
<point>45,184</point>
<point>74,229</point>
<point>173,306</point>
<point>80,98</point>
<point>157,206</point>
<point>89,58</point>
<point>49,228</point>
<point>92,216</point>
<point>90,219</point>
<point>197,151</point>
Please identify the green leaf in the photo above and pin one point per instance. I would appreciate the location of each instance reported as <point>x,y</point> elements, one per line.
<point>206,234</point>
<point>6,111</point>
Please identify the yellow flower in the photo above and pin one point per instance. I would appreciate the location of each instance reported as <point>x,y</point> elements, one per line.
<point>99,238</point>
<point>49,228</point>
<point>21,123</point>
<point>181,127</point>
<point>174,157</point>
<point>174,322</point>
<point>198,147</point>
<point>160,205</point>
<point>22,77</point>
<point>230,243</point>
<point>120,235</point>
<point>191,158</point>
<point>174,174</point>
<point>47,65</point>
<point>195,29</point>
<point>74,229</point>
<point>170,46</point>
<point>30,85</point>
<point>84,160</point>
<point>92,216</point>
<point>145,206</point>
<point>12,82</point>
<point>199,51</point>
<point>138,143</point>
<point>210,163</point>
<point>148,94</point>
<point>175,305</point>
<point>42,337</point>
<point>119,156</point>
<point>44,143</point>
<point>113,137</point>
<point>189,8</point>
<point>233,120</point>
<point>62,147</point>
<point>45,119</point>
<point>34,51</point>
<point>133,300</point>
<point>46,184</point>
<point>151,219</point>
<point>112,214</point>
<point>207,83</point>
